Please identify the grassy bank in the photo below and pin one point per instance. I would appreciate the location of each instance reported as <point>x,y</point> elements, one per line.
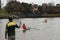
<point>4,14</point>
<point>52,15</point>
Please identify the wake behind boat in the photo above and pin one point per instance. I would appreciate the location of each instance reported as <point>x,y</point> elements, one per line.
<point>25,28</point>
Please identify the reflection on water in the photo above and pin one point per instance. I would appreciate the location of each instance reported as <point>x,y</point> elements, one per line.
<point>48,31</point>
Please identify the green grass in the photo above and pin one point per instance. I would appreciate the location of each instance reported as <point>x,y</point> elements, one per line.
<point>2,11</point>
<point>53,15</point>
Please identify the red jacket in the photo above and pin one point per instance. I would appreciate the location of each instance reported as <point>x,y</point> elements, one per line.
<point>24,27</point>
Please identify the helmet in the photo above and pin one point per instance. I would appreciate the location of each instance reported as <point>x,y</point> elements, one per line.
<point>10,18</point>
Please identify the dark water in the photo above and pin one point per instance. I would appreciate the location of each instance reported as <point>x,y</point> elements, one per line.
<point>49,30</point>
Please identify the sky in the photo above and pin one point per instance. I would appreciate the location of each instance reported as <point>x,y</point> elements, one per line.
<point>39,2</point>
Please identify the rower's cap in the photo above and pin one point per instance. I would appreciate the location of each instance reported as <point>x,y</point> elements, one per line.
<point>10,18</point>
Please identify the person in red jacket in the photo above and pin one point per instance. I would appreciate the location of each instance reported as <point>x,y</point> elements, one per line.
<point>24,27</point>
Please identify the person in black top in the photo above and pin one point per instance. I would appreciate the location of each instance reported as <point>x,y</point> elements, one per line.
<point>10,29</point>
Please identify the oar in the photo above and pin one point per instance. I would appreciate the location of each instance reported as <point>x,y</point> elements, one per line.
<point>20,24</point>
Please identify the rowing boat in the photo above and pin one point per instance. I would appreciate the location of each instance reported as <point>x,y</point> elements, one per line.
<point>27,29</point>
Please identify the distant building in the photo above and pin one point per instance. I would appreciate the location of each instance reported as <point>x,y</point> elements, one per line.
<point>35,9</point>
<point>51,4</point>
<point>10,0</point>
<point>44,4</point>
<point>44,7</point>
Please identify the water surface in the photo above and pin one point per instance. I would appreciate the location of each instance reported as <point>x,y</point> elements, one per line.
<point>49,30</point>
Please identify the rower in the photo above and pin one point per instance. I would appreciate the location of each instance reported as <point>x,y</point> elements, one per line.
<point>46,20</point>
<point>24,27</point>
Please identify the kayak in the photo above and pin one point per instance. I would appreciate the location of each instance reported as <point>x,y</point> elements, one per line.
<point>27,29</point>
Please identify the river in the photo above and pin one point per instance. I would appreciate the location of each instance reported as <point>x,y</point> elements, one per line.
<point>49,30</point>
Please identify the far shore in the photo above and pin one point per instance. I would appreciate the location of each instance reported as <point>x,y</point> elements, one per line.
<point>5,16</point>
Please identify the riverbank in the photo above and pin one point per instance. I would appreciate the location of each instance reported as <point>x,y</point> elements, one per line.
<point>4,15</point>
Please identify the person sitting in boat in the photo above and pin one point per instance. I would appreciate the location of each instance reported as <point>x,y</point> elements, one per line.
<point>46,20</point>
<point>24,27</point>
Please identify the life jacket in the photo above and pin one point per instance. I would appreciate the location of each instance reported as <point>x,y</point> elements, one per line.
<point>11,24</point>
<point>24,27</point>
